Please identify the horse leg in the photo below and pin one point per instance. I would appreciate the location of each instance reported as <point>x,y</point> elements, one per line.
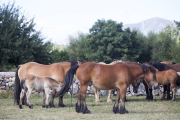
<point>21,98</point>
<point>44,98</point>
<point>24,99</point>
<point>61,104</point>
<point>116,104</point>
<point>163,93</point>
<point>148,91</point>
<point>51,103</point>
<point>96,94</point>
<point>109,96</point>
<point>174,89</point>
<point>83,96</point>
<point>123,96</point>
<point>78,104</point>
<point>47,97</point>
<point>168,92</point>
<point>28,94</point>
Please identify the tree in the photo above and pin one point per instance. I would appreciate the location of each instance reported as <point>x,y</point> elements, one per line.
<point>161,47</point>
<point>107,41</point>
<point>19,41</point>
<point>59,54</point>
<point>77,47</point>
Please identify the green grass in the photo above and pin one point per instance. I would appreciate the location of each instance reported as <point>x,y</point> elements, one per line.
<point>138,107</point>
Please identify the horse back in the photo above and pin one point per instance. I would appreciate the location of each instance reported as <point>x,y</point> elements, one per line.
<point>103,76</point>
<point>56,70</point>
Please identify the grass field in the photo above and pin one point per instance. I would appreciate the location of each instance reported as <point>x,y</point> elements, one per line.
<point>138,107</point>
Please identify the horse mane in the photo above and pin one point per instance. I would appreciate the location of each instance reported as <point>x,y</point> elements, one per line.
<point>73,62</point>
<point>158,65</point>
<point>52,79</point>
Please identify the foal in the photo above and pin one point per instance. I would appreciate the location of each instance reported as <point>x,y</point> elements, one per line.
<point>163,78</point>
<point>39,84</point>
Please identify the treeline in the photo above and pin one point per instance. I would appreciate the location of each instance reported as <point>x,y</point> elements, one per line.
<point>106,41</point>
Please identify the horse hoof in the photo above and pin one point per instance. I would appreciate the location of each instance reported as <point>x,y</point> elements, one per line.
<point>97,100</point>
<point>61,105</point>
<point>52,106</point>
<point>31,106</point>
<point>116,110</point>
<point>47,106</point>
<point>86,111</point>
<point>43,106</point>
<point>78,108</point>
<point>124,111</point>
<point>109,101</point>
<point>20,106</point>
<point>154,100</point>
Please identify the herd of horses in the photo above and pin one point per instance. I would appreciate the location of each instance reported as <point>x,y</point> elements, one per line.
<point>58,77</point>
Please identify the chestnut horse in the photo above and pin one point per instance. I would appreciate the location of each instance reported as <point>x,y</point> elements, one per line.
<point>56,71</point>
<point>45,84</point>
<point>96,90</point>
<point>163,78</point>
<point>105,77</point>
<point>161,66</point>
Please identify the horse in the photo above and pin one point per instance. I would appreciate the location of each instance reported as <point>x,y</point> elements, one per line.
<point>161,67</point>
<point>45,84</point>
<point>163,78</point>
<point>96,90</point>
<point>105,77</point>
<point>56,71</point>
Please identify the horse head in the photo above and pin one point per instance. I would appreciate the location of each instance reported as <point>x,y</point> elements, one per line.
<point>150,75</point>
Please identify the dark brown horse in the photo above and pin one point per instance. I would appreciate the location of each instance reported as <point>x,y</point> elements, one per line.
<point>105,77</point>
<point>56,71</point>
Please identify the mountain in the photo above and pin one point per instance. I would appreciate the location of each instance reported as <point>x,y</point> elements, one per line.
<point>154,24</point>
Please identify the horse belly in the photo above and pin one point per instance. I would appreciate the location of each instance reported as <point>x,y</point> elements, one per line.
<point>105,84</point>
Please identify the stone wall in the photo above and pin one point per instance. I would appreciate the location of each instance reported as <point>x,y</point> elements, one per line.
<point>7,80</point>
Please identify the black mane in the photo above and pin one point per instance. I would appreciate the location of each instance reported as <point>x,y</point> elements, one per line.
<point>158,65</point>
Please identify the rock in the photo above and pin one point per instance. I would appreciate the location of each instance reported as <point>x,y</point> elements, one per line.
<point>3,84</point>
<point>7,87</point>
<point>2,87</point>
<point>104,92</point>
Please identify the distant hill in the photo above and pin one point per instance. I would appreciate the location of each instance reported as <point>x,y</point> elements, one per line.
<point>154,24</point>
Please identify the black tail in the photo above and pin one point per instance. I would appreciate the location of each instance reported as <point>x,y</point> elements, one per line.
<point>68,81</point>
<point>22,83</point>
<point>17,87</point>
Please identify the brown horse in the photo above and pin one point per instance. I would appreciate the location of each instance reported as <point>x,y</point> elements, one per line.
<point>45,84</point>
<point>96,90</point>
<point>164,78</point>
<point>56,71</point>
<point>105,77</point>
<point>161,67</point>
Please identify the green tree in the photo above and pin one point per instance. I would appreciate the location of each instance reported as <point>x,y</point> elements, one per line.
<point>107,41</point>
<point>59,53</point>
<point>162,46</point>
<point>19,40</point>
<point>77,47</point>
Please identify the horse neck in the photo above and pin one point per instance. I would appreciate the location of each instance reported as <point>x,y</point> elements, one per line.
<point>136,70</point>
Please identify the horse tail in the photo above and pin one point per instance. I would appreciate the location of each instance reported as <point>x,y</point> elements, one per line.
<point>17,87</point>
<point>22,83</point>
<point>68,81</point>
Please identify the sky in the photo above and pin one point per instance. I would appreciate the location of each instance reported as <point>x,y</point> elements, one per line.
<point>59,19</point>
